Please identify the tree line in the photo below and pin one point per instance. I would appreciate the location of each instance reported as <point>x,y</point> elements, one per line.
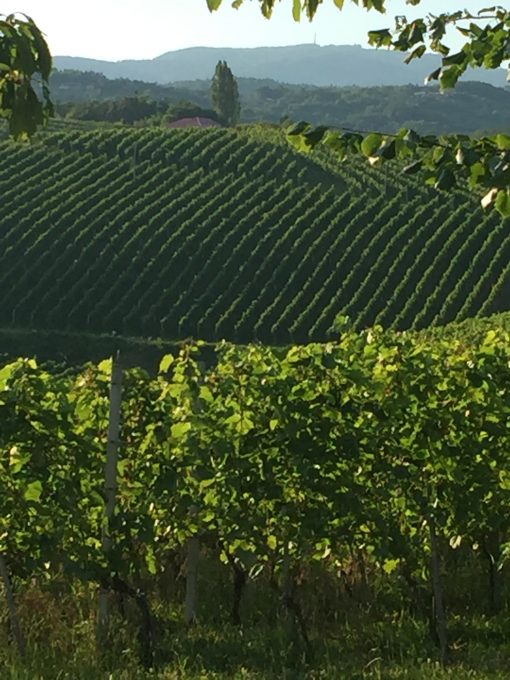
<point>472,108</point>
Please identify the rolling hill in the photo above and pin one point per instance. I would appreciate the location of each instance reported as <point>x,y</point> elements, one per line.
<point>469,108</point>
<point>231,234</point>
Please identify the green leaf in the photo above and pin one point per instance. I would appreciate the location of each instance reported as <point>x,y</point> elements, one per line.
<point>165,363</point>
<point>272,542</point>
<point>415,54</point>
<point>296,10</point>
<point>390,565</point>
<point>5,374</point>
<point>448,77</point>
<point>503,142</point>
<point>213,5</point>
<point>371,144</point>
<point>179,430</point>
<point>18,460</point>
<point>33,491</point>
<point>502,203</point>
<point>206,394</point>
<point>208,517</point>
<point>477,174</point>
<point>44,60</point>
<point>454,59</point>
<point>433,76</point>
<point>381,38</point>
<point>504,480</point>
<point>150,561</point>
<point>105,366</point>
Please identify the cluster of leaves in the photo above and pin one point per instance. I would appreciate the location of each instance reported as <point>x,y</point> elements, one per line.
<point>24,55</point>
<point>307,454</point>
<point>445,162</point>
<point>309,7</point>
<point>487,44</point>
<point>482,163</point>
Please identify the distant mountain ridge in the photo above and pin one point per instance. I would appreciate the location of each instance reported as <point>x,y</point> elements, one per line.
<point>339,65</point>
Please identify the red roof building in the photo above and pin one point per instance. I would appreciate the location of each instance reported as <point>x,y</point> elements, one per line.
<point>194,122</point>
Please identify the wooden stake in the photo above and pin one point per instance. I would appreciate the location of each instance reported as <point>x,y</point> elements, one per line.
<point>110,486</point>
<point>437,586</point>
<point>11,606</point>
<point>190,604</point>
<point>193,547</point>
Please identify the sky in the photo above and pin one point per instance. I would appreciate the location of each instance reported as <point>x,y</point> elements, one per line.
<point>144,29</point>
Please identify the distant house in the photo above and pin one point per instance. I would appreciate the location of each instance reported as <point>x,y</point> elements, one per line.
<point>194,122</point>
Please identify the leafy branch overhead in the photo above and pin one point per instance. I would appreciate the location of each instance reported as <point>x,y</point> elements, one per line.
<point>309,7</point>
<point>483,165</point>
<point>24,60</point>
<point>486,45</point>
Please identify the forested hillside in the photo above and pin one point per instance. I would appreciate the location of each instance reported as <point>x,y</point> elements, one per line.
<point>470,108</point>
<point>215,234</point>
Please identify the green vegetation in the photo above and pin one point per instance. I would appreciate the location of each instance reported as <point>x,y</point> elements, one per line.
<point>24,59</point>
<point>470,108</point>
<point>469,330</point>
<point>395,650</point>
<point>335,491</point>
<point>230,234</point>
<point>344,504</point>
<point>225,94</point>
<point>482,165</point>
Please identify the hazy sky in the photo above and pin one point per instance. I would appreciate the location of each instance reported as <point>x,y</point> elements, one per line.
<point>141,29</point>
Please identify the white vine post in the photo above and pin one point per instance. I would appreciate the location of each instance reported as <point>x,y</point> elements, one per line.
<point>110,485</point>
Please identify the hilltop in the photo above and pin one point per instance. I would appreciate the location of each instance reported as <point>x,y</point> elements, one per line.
<point>231,234</point>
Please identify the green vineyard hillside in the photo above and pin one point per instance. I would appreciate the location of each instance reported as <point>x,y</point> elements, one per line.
<point>231,234</point>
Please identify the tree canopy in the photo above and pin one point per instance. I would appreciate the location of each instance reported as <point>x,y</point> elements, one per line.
<point>482,164</point>
<point>25,67</point>
<point>225,94</point>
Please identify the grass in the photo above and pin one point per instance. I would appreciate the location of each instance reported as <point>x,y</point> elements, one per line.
<point>62,646</point>
<point>374,637</point>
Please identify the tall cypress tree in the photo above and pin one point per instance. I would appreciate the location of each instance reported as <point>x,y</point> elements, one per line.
<point>225,94</point>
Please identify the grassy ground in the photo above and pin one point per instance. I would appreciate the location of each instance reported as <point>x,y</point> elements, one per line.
<point>354,635</point>
<point>62,646</point>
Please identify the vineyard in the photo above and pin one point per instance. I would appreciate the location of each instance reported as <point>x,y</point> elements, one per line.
<point>231,234</point>
<point>329,501</point>
<point>344,480</point>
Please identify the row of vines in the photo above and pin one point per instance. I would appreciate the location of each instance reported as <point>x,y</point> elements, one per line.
<point>208,233</point>
<point>392,448</point>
